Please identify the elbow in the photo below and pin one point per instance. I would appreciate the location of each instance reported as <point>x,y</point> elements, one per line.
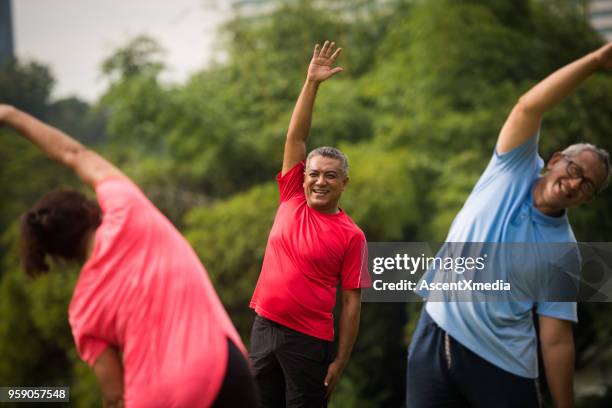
<point>557,344</point>
<point>562,340</point>
<point>554,333</point>
<point>71,155</point>
<point>352,304</point>
<point>526,107</point>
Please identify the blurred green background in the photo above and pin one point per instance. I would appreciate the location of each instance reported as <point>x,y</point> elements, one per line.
<point>426,88</point>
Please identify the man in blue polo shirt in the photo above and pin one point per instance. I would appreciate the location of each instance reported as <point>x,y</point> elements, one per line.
<point>484,354</point>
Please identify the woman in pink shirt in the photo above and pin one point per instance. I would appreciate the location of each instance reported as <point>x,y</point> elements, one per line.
<point>144,314</point>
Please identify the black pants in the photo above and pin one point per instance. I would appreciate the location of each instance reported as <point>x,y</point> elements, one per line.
<point>238,388</point>
<point>290,367</point>
<point>443,373</point>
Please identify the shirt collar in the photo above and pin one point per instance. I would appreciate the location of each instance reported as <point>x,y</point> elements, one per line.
<point>540,218</point>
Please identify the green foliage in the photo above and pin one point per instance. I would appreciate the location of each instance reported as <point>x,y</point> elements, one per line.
<point>231,237</point>
<point>212,147</point>
<point>34,335</point>
<point>19,344</point>
<point>26,86</point>
<point>19,158</point>
<point>76,118</point>
<point>84,390</point>
<point>341,115</point>
<point>455,182</point>
<point>382,196</point>
<point>140,56</point>
<point>135,106</point>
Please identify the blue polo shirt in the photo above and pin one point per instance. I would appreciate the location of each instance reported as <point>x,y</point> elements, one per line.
<point>500,210</point>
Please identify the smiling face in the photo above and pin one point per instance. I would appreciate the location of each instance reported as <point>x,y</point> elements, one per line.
<point>570,181</point>
<point>324,182</point>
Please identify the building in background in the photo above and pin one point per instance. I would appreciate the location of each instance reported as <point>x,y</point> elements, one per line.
<point>600,15</point>
<point>6,32</point>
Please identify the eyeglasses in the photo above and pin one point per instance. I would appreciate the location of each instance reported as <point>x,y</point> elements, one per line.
<point>575,171</point>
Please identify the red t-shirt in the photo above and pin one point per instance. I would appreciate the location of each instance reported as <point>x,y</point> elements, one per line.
<point>144,291</point>
<point>307,255</point>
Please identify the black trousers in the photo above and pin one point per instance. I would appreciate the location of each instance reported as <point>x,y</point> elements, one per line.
<point>290,367</point>
<point>443,373</point>
<point>238,388</point>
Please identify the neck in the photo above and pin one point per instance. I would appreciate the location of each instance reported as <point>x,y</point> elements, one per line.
<point>328,210</point>
<point>540,203</point>
<point>334,210</point>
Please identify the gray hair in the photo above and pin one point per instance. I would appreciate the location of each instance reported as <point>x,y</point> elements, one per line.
<point>332,153</point>
<point>603,156</point>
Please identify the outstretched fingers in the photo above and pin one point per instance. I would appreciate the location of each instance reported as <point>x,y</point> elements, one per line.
<point>323,52</point>
<point>335,55</point>
<point>328,54</point>
<point>324,57</point>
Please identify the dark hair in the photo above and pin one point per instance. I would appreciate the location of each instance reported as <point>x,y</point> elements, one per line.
<point>57,225</point>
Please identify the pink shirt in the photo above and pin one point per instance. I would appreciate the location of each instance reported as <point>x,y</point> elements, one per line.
<point>144,291</point>
<point>307,255</point>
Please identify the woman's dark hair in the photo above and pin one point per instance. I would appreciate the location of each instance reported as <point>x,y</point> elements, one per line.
<point>57,225</point>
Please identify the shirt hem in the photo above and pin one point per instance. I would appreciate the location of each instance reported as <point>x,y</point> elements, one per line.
<point>558,317</point>
<point>476,351</point>
<point>271,316</point>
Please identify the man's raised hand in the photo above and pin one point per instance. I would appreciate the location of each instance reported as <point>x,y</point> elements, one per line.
<point>320,67</point>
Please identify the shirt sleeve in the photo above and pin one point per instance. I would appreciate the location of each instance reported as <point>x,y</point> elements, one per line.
<point>89,347</point>
<point>116,194</point>
<point>519,165</point>
<point>559,310</point>
<point>562,283</point>
<point>521,156</point>
<point>354,273</point>
<point>291,184</point>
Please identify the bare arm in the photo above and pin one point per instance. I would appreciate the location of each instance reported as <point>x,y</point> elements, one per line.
<point>318,71</point>
<point>526,115</point>
<point>349,327</point>
<point>88,165</point>
<point>557,341</point>
<point>109,372</point>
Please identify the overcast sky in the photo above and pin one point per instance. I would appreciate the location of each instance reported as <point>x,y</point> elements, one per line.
<point>74,36</point>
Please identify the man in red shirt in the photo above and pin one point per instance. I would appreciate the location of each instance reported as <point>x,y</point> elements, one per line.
<point>313,246</point>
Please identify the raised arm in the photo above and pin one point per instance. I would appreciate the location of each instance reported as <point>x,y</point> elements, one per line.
<point>319,70</point>
<point>87,164</point>
<point>526,115</point>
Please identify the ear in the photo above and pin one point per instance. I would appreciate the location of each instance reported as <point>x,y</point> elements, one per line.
<point>556,158</point>
<point>345,182</point>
